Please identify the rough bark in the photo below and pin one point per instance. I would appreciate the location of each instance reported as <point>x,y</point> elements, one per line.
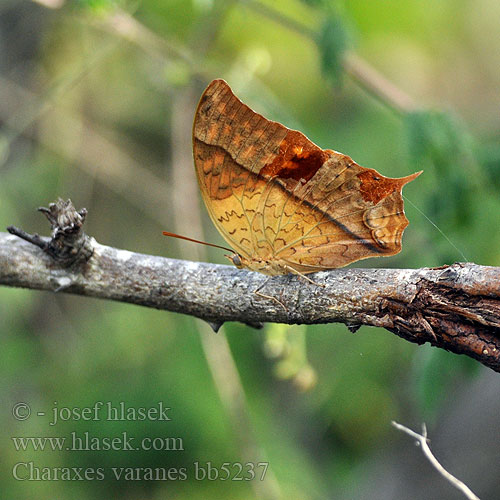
<point>454,307</point>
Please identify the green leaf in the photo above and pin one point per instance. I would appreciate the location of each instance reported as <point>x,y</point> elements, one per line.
<point>333,41</point>
<point>438,136</point>
<point>489,158</point>
<point>439,142</point>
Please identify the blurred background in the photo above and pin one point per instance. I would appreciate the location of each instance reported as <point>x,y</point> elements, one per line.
<point>96,104</point>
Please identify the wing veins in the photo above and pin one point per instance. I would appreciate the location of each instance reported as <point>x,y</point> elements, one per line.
<point>249,174</point>
<point>315,205</point>
<point>291,244</point>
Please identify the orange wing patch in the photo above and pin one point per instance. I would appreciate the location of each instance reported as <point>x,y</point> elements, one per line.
<point>283,203</point>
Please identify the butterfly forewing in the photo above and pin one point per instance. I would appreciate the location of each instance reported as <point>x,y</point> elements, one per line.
<point>275,196</point>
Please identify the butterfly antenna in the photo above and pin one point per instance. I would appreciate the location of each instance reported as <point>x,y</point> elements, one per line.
<point>437,227</point>
<point>173,235</point>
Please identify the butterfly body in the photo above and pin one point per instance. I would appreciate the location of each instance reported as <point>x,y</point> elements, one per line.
<point>271,266</point>
<point>283,203</point>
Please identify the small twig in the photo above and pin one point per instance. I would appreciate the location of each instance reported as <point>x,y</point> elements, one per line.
<point>365,75</point>
<point>34,239</point>
<point>69,244</point>
<point>279,18</point>
<point>376,84</point>
<point>125,25</point>
<point>424,443</point>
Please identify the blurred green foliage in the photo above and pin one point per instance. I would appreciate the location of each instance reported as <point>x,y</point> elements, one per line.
<point>98,6</point>
<point>333,41</point>
<point>96,106</point>
<point>438,141</point>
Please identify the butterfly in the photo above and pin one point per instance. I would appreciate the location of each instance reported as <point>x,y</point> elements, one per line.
<point>282,203</point>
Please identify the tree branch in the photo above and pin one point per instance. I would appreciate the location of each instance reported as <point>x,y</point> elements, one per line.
<point>455,307</point>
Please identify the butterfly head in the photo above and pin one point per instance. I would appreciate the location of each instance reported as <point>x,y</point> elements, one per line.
<point>236,259</point>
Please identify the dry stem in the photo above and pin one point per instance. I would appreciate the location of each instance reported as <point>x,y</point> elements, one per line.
<point>424,443</point>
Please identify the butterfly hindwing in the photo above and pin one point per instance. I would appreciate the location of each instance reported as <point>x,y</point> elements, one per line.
<point>275,196</point>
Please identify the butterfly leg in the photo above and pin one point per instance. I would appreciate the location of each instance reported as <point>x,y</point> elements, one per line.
<point>269,297</point>
<point>298,273</point>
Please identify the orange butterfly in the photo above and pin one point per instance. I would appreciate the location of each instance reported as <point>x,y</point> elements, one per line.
<point>284,204</point>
